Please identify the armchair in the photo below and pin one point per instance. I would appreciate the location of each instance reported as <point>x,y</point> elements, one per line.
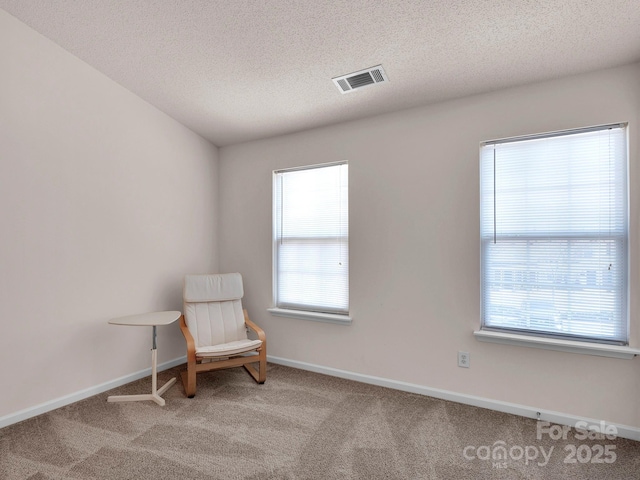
<point>214,325</point>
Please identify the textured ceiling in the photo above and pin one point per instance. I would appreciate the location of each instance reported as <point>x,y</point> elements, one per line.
<point>235,70</point>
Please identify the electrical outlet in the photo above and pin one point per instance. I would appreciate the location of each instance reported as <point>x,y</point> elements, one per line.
<point>464,359</point>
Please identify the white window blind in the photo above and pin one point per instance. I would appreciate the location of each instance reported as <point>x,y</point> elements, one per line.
<point>554,229</point>
<point>311,239</point>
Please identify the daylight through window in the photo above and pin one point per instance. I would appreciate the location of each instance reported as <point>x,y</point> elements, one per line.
<point>311,239</point>
<point>554,233</point>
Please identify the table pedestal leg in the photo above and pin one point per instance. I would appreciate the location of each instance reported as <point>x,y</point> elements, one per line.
<point>155,392</point>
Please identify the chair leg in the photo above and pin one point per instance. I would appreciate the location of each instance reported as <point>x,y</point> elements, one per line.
<point>252,371</point>
<point>263,365</point>
<point>258,375</point>
<point>189,380</point>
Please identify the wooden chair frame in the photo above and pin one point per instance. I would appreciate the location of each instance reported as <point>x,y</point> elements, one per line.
<point>194,367</point>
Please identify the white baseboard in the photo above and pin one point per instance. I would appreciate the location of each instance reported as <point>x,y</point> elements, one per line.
<point>625,431</point>
<point>82,394</point>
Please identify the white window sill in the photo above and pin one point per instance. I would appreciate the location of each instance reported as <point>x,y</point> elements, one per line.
<point>315,316</point>
<point>571,346</point>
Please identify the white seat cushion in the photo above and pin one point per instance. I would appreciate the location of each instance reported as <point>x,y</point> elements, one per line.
<point>226,349</point>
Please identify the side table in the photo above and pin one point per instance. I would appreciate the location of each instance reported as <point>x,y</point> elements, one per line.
<point>153,319</point>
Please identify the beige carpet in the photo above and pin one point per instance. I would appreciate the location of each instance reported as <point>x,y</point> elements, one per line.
<point>298,425</point>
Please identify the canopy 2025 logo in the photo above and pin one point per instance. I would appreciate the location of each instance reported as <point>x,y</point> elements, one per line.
<point>499,454</point>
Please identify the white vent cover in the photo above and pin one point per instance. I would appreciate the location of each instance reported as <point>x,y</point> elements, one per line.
<point>363,78</point>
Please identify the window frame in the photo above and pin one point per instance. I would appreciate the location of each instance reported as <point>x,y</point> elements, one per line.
<point>327,315</point>
<point>553,340</point>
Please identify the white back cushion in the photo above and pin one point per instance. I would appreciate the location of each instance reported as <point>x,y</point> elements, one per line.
<point>212,288</point>
<point>214,322</point>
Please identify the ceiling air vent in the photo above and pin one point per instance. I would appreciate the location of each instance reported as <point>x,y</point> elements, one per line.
<point>363,78</point>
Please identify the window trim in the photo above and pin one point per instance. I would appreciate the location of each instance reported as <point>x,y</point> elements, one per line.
<point>550,342</point>
<point>555,133</point>
<point>304,314</point>
<point>309,315</point>
<point>557,344</point>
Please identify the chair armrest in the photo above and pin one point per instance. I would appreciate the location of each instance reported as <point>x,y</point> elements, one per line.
<point>191,343</point>
<point>254,327</point>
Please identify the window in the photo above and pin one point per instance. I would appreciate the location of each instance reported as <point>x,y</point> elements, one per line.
<point>554,230</point>
<point>311,240</point>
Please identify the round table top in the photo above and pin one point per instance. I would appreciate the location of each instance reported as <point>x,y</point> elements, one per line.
<point>147,319</point>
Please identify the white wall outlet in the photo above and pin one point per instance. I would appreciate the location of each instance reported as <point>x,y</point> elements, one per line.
<point>464,359</point>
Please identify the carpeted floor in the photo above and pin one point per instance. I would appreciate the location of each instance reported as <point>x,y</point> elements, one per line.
<point>298,425</point>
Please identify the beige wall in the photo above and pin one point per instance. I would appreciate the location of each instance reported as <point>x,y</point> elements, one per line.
<point>105,203</point>
<point>414,241</point>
